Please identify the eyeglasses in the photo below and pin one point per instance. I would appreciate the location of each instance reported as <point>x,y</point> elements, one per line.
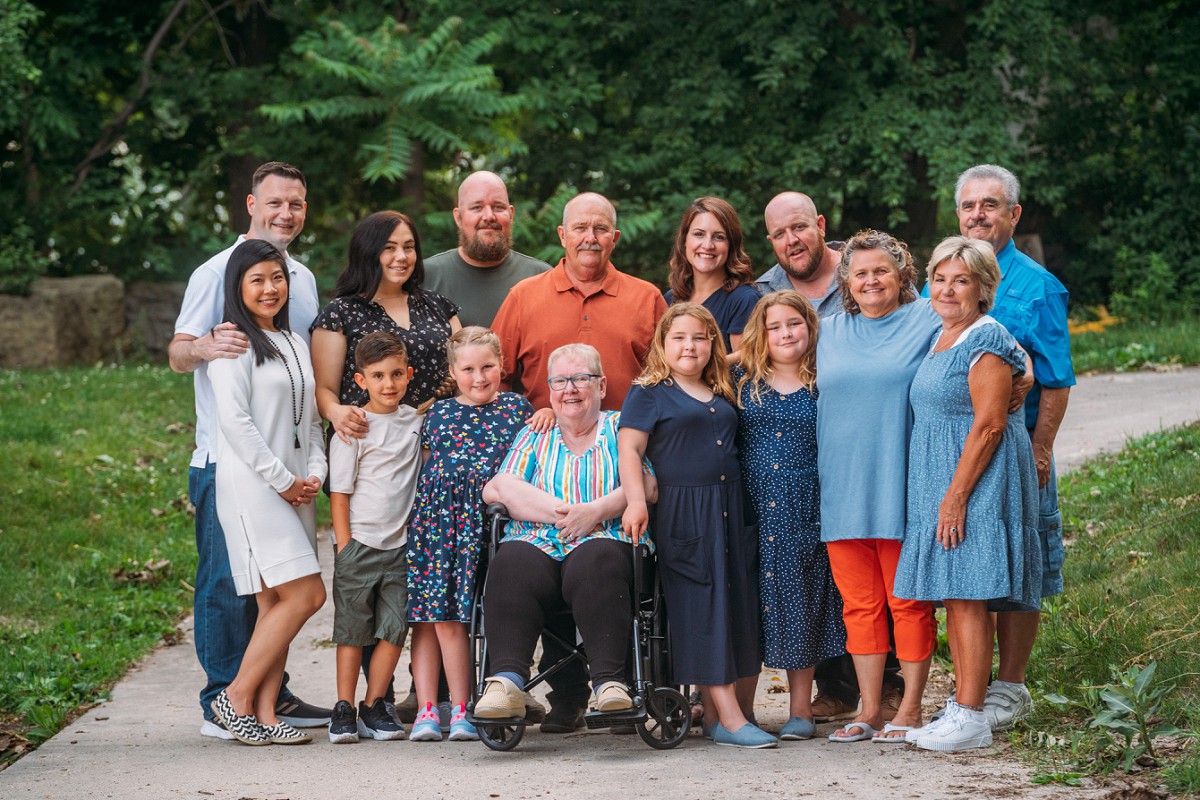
<point>580,380</point>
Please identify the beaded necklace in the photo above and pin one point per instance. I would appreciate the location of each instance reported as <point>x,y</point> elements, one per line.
<point>297,409</point>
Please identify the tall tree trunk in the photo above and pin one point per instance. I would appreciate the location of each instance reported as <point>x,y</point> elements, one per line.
<point>255,39</point>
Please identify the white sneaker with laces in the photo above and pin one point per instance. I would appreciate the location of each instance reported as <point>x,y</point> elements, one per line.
<point>959,729</point>
<point>934,722</point>
<point>1005,703</point>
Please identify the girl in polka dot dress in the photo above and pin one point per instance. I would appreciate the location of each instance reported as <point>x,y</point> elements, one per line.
<point>800,607</point>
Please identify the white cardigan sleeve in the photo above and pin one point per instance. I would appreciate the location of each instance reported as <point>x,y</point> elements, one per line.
<point>233,385</point>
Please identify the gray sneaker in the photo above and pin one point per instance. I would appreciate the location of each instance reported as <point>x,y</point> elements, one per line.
<point>1005,703</point>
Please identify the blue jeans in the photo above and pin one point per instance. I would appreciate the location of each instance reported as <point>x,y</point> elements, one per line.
<point>223,620</point>
<point>1050,533</point>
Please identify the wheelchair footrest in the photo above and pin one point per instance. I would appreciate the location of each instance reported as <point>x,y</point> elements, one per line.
<point>504,721</point>
<point>609,719</point>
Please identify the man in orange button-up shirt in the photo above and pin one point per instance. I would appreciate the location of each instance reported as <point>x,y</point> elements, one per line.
<point>582,299</point>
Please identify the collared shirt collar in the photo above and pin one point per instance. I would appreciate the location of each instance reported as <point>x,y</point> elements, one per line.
<point>1006,255</point>
<point>562,282</point>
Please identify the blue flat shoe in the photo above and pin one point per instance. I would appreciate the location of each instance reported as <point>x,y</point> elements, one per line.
<point>747,736</point>
<point>797,728</point>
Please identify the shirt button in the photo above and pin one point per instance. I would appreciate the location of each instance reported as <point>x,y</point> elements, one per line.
<point>778,433</point>
<point>722,477</point>
<point>724,513</point>
<point>774,466</point>
<point>712,410</point>
<point>718,441</point>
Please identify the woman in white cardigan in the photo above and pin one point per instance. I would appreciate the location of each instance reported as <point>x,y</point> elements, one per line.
<point>270,466</point>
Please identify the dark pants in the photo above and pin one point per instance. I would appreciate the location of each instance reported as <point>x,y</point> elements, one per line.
<point>526,588</point>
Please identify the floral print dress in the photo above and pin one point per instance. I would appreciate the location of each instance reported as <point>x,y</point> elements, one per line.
<point>466,444</point>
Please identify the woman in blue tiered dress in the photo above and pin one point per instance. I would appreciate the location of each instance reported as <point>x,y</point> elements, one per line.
<point>971,539</point>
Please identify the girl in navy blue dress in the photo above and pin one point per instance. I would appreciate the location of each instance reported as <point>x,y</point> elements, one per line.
<point>465,436</point>
<point>800,606</point>
<point>679,413</point>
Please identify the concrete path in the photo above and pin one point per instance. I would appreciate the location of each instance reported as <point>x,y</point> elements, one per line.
<point>144,743</point>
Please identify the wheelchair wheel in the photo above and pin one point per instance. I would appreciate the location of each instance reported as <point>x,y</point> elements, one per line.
<point>500,738</point>
<point>668,721</point>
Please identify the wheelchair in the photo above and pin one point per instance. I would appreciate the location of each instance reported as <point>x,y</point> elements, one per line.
<point>661,712</point>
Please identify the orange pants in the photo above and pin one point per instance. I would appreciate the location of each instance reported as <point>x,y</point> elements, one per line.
<point>864,571</point>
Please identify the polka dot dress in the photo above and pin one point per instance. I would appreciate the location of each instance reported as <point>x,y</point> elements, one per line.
<point>800,607</point>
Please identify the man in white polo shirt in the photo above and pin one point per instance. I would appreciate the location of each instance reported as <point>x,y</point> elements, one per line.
<point>224,621</point>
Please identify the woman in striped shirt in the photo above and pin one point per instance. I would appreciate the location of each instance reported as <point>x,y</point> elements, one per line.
<point>565,545</point>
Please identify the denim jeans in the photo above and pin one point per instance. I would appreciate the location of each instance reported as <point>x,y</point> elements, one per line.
<point>223,620</point>
<point>1050,533</point>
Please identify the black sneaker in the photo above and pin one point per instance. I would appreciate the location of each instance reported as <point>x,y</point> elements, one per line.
<point>562,719</point>
<point>299,714</point>
<point>343,725</point>
<point>375,722</point>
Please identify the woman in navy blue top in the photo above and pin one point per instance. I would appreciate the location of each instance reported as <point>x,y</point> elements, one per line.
<point>709,266</point>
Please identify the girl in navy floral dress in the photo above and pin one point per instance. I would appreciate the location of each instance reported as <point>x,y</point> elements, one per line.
<point>466,436</point>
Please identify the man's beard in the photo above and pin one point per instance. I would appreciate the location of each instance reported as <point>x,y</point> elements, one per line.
<point>478,250</point>
<point>814,262</point>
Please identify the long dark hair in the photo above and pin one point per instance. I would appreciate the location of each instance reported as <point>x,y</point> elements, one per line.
<point>362,274</point>
<point>737,264</point>
<point>245,256</point>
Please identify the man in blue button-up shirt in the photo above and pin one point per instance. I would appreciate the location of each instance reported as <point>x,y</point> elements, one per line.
<point>1032,304</point>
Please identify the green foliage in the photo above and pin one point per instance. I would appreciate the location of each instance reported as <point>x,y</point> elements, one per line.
<point>98,547</point>
<point>130,134</point>
<point>19,261</point>
<point>16,70</point>
<point>1133,585</point>
<point>1126,712</point>
<point>1183,776</point>
<point>1134,346</point>
<point>1118,138</point>
<point>1145,288</point>
<point>407,89</point>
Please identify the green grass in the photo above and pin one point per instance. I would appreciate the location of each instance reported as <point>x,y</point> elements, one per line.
<point>1132,345</point>
<point>1133,596</point>
<point>94,475</point>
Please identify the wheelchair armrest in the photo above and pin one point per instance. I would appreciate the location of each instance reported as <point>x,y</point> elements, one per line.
<point>497,513</point>
<point>641,558</point>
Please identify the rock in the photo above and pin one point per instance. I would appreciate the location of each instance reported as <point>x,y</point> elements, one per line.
<point>150,312</point>
<point>63,321</point>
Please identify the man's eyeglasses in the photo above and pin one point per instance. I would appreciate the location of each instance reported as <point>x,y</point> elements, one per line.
<point>580,380</point>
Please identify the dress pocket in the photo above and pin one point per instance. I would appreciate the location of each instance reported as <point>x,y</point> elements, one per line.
<point>687,558</point>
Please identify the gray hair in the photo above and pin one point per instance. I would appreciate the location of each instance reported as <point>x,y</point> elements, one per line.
<point>896,250</point>
<point>980,260</point>
<point>584,352</point>
<point>1012,186</point>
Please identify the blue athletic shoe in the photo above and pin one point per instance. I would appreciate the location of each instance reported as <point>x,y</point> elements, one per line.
<point>460,729</point>
<point>426,727</point>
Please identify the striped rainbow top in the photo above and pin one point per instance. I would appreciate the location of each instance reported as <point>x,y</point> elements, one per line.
<point>545,461</point>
